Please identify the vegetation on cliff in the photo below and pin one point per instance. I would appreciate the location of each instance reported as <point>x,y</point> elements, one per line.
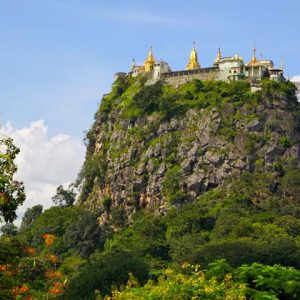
<point>195,188</point>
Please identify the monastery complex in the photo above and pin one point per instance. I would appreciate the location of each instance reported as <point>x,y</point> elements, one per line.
<point>223,68</point>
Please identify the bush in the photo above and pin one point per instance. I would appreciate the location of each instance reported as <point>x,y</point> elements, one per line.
<point>171,181</point>
<point>285,141</point>
<point>107,202</point>
<point>105,270</point>
<point>118,217</point>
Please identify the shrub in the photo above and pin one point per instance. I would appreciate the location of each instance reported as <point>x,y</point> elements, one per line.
<point>171,181</point>
<point>285,141</point>
<point>107,202</point>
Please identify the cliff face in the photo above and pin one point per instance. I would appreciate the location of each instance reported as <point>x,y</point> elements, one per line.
<point>159,146</point>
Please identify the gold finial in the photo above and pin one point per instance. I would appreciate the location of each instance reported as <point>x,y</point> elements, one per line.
<point>254,60</point>
<point>219,56</point>
<point>150,61</point>
<point>193,61</point>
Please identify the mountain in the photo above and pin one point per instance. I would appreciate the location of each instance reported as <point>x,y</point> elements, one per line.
<point>160,146</point>
<point>187,192</point>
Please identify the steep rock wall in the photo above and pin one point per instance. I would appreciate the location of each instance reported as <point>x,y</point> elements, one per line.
<point>153,158</point>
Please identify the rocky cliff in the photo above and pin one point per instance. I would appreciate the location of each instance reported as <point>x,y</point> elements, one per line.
<point>157,146</point>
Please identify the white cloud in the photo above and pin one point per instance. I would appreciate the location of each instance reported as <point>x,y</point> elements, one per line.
<point>296,78</point>
<point>146,17</point>
<point>44,162</point>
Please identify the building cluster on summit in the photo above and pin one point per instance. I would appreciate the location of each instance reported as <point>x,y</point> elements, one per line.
<point>224,68</point>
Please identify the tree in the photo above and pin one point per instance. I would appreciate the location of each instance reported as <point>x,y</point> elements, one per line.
<point>64,197</point>
<point>104,270</point>
<point>30,216</point>
<point>84,234</point>
<point>9,229</point>
<point>11,191</point>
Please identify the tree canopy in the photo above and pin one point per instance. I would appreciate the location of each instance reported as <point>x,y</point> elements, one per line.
<point>11,191</point>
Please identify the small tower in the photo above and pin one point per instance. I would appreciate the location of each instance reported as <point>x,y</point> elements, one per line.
<point>193,61</point>
<point>133,64</point>
<point>219,57</point>
<point>149,62</point>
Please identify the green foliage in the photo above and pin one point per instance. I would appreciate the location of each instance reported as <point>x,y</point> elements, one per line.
<point>271,88</point>
<point>118,217</point>
<point>108,101</point>
<point>9,229</point>
<point>75,228</point>
<point>64,197</point>
<point>10,253</point>
<point>290,183</point>
<point>251,218</point>
<point>105,270</point>
<point>84,234</point>
<point>31,214</point>
<point>290,224</point>
<point>171,182</point>
<point>11,191</point>
<point>145,238</point>
<point>107,202</point>
<point>170,102</point>
<point>269,282</point>
<point>285,141</point>
<point>144,102</point>
<point>247,250</point>
<point>227,129</point>
<point>178,197</point>
<point>220,281</point>
<point>93,168</point>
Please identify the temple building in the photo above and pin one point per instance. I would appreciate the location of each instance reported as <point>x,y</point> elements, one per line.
<point>228,68</point>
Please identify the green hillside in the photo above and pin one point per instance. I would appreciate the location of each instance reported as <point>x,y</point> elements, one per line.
<point>186,193</point>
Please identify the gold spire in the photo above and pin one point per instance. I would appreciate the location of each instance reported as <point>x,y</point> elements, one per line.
<point>253,59</point>
<point>193,61</point>
<point>150,61</point>
<point>219,56</point>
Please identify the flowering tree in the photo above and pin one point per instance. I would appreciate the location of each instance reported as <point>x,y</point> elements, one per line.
<point>29,274</point>
<point>11,191</point>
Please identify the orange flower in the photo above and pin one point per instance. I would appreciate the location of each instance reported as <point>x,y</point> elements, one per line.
<point>30,250</point>
<point>52,274</point>
<point>24,289</point>
<point>56,289</point>
<point>4,267</point>
<point>48,238</point>
<point>15,290</point>
<point>53,258</point>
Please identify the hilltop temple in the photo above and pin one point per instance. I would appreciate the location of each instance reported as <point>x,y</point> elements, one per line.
<point>229,68</point>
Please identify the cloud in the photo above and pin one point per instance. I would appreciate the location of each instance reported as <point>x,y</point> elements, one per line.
<point>296,78</point>
<point>140,17</point>
<point>44,162</point>
<point>146,17</point>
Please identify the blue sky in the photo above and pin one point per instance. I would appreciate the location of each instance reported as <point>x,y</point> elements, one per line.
<point>57,57</point>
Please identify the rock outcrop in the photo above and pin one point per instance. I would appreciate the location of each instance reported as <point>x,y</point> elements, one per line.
<point>134,157</point>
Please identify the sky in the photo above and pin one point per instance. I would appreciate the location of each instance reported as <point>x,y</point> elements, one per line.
<point>58,57</point>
